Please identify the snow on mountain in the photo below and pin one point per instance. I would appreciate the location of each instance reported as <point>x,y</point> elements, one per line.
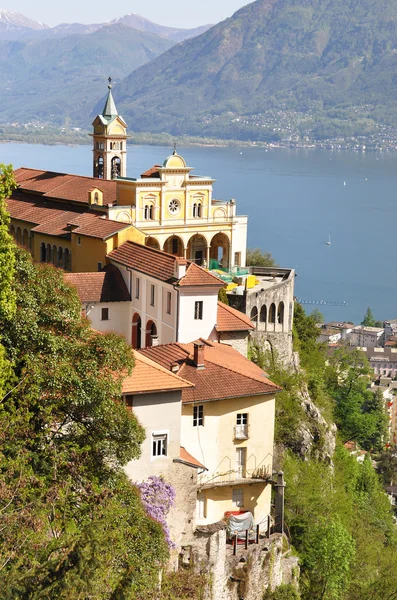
<point>15,20</point>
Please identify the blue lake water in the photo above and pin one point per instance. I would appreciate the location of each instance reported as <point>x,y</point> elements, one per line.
<point>295,200</point>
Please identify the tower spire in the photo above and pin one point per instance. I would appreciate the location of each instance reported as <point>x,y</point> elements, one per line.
<point>110,109</point>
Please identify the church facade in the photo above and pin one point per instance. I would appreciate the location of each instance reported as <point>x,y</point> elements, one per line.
<point>64,219</point>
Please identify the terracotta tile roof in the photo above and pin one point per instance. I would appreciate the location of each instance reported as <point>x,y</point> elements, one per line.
<point>51,218</point>
<point>73,188</point>
<point>148,376</point>
<point>195,275</point>
<point>230,319</point>
<point>146,260</point>
<point>152,173</point>
<point>227,373</point>
<point>99,228</point>
<point>188,459</point>
<point>161,265</point>
<point>106,286</point>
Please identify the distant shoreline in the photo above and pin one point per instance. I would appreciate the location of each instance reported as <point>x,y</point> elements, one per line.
<point>55,138</point>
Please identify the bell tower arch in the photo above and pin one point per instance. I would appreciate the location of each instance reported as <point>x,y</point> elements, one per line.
<point>109,141</point>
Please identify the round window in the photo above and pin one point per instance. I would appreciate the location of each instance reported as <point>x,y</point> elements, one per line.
<point>174,206</point>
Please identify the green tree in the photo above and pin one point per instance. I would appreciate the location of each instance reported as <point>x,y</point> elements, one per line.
<point>387,466</point>
<point>7,294</point>
<point>369,319</point>
<point>222,296</point>
<point>72,525</point>
<point>330,551</point>
<point>259,258</point>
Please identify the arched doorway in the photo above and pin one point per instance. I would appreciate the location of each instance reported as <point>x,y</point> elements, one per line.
<point>18,235</point>
<point>219,251</point>
<point>263,314</point>
<point>54,256</point>
<point>174,245</point>
<point>48,253</point>
<point>42,252</point>
<point>151,333</point>
<point>151,242</point>
<point>280,315</point>
<point>136,332</point>
<point>197,249</point>
<point>60,258</point>
<point>66,259</point>
<point>25,239</point>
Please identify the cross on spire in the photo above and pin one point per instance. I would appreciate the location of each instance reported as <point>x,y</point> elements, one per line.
<point>174,152</point>
<point>110,83</point>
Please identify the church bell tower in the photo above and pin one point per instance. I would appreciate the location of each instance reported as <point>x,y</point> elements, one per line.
<point>109,142</point>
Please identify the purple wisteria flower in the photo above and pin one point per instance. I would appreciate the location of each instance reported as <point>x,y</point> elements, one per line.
<point>157,498</point>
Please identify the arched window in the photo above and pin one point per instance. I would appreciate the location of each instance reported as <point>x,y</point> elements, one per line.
<point>54,256</point>
<point>263,314</point>
<point>60,258</point>
<point>66,259</point>
<point>98,168</point>
<point>42,252</point>
<point>111,146</point>
<point>194,210</point>
<point>18,235</point>
<point>199,209</point>
<point>280,313</point>
<point>116,167</point>
<point>48,253</point>
<point>12,231</point>
<point>272,313</point>
<point>148,212</point>
<point>254,315</point>
<point>146,215</point>
<point>151,211</point>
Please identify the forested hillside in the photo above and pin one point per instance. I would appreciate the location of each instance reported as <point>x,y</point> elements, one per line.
<point>331,62</point>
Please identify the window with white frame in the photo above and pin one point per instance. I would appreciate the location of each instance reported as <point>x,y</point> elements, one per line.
<point>198,310</point>
<point>238,497</point>
<point>198,416</point>
<point>242,426</point>
<point>159,444</point>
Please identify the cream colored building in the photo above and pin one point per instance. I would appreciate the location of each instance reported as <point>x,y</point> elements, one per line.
<point>227,424</point>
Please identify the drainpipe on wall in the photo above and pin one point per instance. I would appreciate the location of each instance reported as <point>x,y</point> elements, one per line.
<point>177,313</point>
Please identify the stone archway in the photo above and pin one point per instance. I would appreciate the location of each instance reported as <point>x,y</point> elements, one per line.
<point>174,245</point>
<point>220,251</point>
<point>197,250</point>
<point>151,242</point>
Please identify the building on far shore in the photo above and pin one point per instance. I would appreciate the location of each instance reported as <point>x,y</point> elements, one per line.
<point>368,337</point>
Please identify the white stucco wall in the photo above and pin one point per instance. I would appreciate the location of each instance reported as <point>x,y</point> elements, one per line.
<point>239,239</point>
<point>190,328</point>
<point>119,317</point>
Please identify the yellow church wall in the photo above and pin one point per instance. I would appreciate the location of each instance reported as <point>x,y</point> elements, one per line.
<point>87,254</point>
<point>219,500</point>
<point>40,238</point>
<point>132,234</point>
<point>126,194</point>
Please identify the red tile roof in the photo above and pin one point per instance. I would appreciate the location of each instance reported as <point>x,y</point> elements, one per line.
<point>230,319</point>
<point>106,286</point>
<point>195,275</point>
<point>227,373</point>
<point>161,265</point>
<point>51,218</point>
<point>152,173</point>
<point>188,459</point>
<point>63,186</point>
<point>148,376</point>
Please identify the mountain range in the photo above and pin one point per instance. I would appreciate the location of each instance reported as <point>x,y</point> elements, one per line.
<point>329,65</point>
<point>15,26</point>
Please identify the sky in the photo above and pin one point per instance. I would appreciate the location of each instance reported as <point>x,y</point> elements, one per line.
<point>184,13</point>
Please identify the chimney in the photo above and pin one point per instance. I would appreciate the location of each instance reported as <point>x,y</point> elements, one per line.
<point>180,267</point>
<point>199,355</point>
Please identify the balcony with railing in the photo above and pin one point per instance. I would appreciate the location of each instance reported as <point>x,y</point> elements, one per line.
<point>254,471</point>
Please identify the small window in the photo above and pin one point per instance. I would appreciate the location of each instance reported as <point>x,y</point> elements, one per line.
<point>159,445</point>
<point>137,287</point>
<point>105,314</point>
<point>237,259</point>
<point>78,240</point>
<point>198,310</point>
<point>168,303</point>
<point>198,416</point>
<point>242,419</point>
<point>238,498</point>
<point>152,292</point>
<point>100,266</point>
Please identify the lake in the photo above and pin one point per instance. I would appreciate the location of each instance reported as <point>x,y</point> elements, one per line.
<point>295,200</point>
